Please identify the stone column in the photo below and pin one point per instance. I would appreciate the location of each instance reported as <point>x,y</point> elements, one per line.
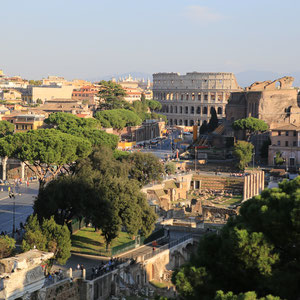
<point>22,171</point>
<point>4,164</point>
<point>245,188</point>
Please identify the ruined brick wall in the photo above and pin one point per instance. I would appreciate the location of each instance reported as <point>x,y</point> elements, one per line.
<point>63,290</point>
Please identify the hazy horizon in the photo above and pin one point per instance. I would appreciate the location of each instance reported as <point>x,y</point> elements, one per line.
<point>94,39</point>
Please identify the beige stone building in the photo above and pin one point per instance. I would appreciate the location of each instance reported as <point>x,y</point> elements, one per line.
<point>275,102</point>
<point>187,99</point>
<point>285,139</point>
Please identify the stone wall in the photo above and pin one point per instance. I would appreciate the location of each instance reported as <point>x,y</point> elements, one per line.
<point>63,290</point>
<point>265,101</point>
<point>22,274</point>
<point>187,99</point>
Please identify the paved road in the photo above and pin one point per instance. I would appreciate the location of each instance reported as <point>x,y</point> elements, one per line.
<point>23,206</point>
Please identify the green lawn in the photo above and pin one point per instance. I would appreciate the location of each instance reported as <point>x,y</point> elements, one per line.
<point>87,241</point>
<point>233,200</point>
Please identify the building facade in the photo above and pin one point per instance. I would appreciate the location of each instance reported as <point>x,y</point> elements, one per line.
<point>188,99</point>
<point>285,140</point>
<point>275,102</point>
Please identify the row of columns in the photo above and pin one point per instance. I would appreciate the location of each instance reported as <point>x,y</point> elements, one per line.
<point>192,110</point>
<point>190,96</point>
<point>4,168</point>
<point>254,184</point>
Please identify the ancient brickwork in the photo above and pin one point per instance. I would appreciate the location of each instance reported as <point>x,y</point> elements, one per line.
<point>187,99</point>
<point>266,101</point>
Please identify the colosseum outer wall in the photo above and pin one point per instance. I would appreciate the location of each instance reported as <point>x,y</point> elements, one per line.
<point>188,99</point>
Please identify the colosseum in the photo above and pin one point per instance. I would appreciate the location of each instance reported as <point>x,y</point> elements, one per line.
<point>187,99</point>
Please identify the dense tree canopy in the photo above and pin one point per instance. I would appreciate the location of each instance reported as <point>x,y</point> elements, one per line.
<point>154,105</point>
<point>44,151</point>
<point>256,251</point>
<point>118,118</point>
<point>6,128</point>
<point>101,192</point>
<point>243,152</point>
<point>84,128</point>
<point>242,296</point>
<point>250,125</point>
<point>7,246</point>
<point>48,236</point>
<point>145,167</point>
<point>66,121</point>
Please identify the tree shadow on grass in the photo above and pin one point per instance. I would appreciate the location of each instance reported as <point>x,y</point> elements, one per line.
<point>85,245</point>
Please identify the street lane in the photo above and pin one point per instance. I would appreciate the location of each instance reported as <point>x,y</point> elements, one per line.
<point>23,206</point>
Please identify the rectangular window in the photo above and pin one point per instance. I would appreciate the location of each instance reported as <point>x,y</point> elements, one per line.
<point>295,133</point>
<point>186,110</point>
<point>278,143</point>
<point>199,96</point>
<point>286,133</point>
<point>286,143</point>
<point>279,133</point>
<point>294,143</point>
<point>205,97</point>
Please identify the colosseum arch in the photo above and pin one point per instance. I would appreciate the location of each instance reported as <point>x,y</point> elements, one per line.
<point>205,110</point>
<point>219,111</point>
<point>199,110</point>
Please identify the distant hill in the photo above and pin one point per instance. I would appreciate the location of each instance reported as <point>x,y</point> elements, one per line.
<point>246,78</point>
<point>117,76</point>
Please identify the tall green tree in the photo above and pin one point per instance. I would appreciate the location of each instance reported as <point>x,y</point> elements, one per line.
<point>7,246</point>
<point>100,192</point>
<point>112,95</point>
<point>243,151</point>
<point>145,167</point>
<point>213,122</point>
<point>65,198</point>
<point>251,126</point>
<point>48,236</point>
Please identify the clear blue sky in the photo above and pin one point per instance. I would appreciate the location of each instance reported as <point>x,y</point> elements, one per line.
<point>93,38</point>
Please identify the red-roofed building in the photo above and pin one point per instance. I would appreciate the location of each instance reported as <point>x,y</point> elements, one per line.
<point>132,94</point>
<point>88,94</point>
